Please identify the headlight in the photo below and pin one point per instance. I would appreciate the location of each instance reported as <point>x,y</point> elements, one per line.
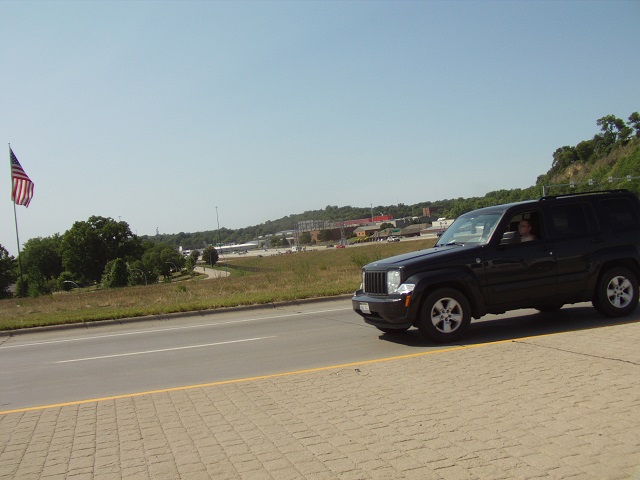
<point>393,280</point>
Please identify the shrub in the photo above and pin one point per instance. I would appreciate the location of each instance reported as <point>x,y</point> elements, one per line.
<point>115,274</point>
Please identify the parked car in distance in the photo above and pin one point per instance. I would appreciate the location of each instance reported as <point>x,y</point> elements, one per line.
<point>393,238</point>
<point>582,247</point>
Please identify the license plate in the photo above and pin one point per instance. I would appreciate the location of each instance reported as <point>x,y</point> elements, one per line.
<point>364,308</point>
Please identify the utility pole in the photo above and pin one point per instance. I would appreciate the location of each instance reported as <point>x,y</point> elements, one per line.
<point>218,220</point>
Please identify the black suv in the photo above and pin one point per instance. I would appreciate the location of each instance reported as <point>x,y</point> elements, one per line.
<point>539,254</point>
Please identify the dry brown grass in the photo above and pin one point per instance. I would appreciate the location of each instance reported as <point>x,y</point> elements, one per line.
<point>254,281</point>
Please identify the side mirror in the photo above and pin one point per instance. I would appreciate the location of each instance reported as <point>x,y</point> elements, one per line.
<point>509,238</point>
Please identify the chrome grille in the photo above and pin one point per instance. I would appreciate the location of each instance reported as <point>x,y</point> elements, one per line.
<point>375,283</point>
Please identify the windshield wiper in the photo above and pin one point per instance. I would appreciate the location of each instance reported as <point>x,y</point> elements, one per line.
<point>450,243</point>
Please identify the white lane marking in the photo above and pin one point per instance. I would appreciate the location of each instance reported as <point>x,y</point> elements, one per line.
<point>163,350</point>
<point>185,327</point>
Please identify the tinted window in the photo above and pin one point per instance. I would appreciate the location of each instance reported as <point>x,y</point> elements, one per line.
<point>573,220</point>
<point>513,232</point>
<point>620,214</point>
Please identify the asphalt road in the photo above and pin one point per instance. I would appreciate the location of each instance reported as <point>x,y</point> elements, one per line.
<point>59,365</point>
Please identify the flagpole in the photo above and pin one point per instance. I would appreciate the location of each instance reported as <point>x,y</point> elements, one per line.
<point>15,217</point>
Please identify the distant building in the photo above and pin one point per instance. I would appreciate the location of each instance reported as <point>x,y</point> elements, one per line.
<point>413,230</point>
<point>366,231</point>
<point>236,248</point>
<point>317,225</point>
<point>369,220</point>
<point>335,234</point>
<point>433,211</point>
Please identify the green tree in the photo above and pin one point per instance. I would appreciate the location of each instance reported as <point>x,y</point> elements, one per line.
<point>35,284</point>
<point>563,157</point>
<point>43,255</point>
<point>160,260</point>
<point>8,273</point>
<point>611,126</point>
<point>139,274</point>
<point>634,122</point>
<point>88,246</point>
<point>190,264</point>
<point>324,235</point>
<point>116,274</point>
<point>172,260</point>
<point>612,130</point>
<point>585,150</point>
<point>210,255</point>
<point>191,261</point>
<point>41,265</point>
<point>275,241</point>
<point>305,238</point>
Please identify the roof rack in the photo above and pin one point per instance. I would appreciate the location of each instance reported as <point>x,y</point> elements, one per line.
<point>576,194</point>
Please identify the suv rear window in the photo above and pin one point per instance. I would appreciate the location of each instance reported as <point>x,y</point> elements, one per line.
<point>573,220</point>
<point>620,214</point>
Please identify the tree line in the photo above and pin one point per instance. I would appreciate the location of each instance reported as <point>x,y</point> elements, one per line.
<point>99,251</point>
<point>105,252</point>
<point>614,134</point>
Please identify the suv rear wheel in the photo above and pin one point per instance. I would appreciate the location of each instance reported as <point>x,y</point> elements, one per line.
<point>616,294</point>
<point>445,315</point>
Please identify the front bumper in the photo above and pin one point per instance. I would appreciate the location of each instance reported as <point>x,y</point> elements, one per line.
<point>382,312</point>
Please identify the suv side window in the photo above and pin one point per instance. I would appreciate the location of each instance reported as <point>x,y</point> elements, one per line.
<point>514,234</point>
<point>573,220</point>
<point>620,214</point>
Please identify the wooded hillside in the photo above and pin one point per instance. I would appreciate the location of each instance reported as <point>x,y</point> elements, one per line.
<point>603,162</point>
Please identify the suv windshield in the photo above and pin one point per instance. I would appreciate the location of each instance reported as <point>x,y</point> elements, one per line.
<point>471,228</point>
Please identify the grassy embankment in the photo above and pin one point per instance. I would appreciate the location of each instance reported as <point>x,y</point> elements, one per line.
<point>253,281</point>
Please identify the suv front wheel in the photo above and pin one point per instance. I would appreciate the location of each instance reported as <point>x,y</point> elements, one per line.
<point>445,315</point>
<point>616,294</point>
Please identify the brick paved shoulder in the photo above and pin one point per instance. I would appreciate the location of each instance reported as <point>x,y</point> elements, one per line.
<point>554,407</point>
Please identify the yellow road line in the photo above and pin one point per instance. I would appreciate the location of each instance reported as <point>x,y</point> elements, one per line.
<point>261,377</point>
<point>299,372</point>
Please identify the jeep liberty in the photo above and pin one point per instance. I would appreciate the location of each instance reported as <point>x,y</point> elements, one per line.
<point>583,247</point>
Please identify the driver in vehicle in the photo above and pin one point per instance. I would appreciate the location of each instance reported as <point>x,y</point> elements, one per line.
<point>525,229</point>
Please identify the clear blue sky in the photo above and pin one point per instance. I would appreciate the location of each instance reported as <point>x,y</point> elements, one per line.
<point>157,112</point>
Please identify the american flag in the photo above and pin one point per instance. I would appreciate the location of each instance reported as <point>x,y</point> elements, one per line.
<point>22,191</point>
